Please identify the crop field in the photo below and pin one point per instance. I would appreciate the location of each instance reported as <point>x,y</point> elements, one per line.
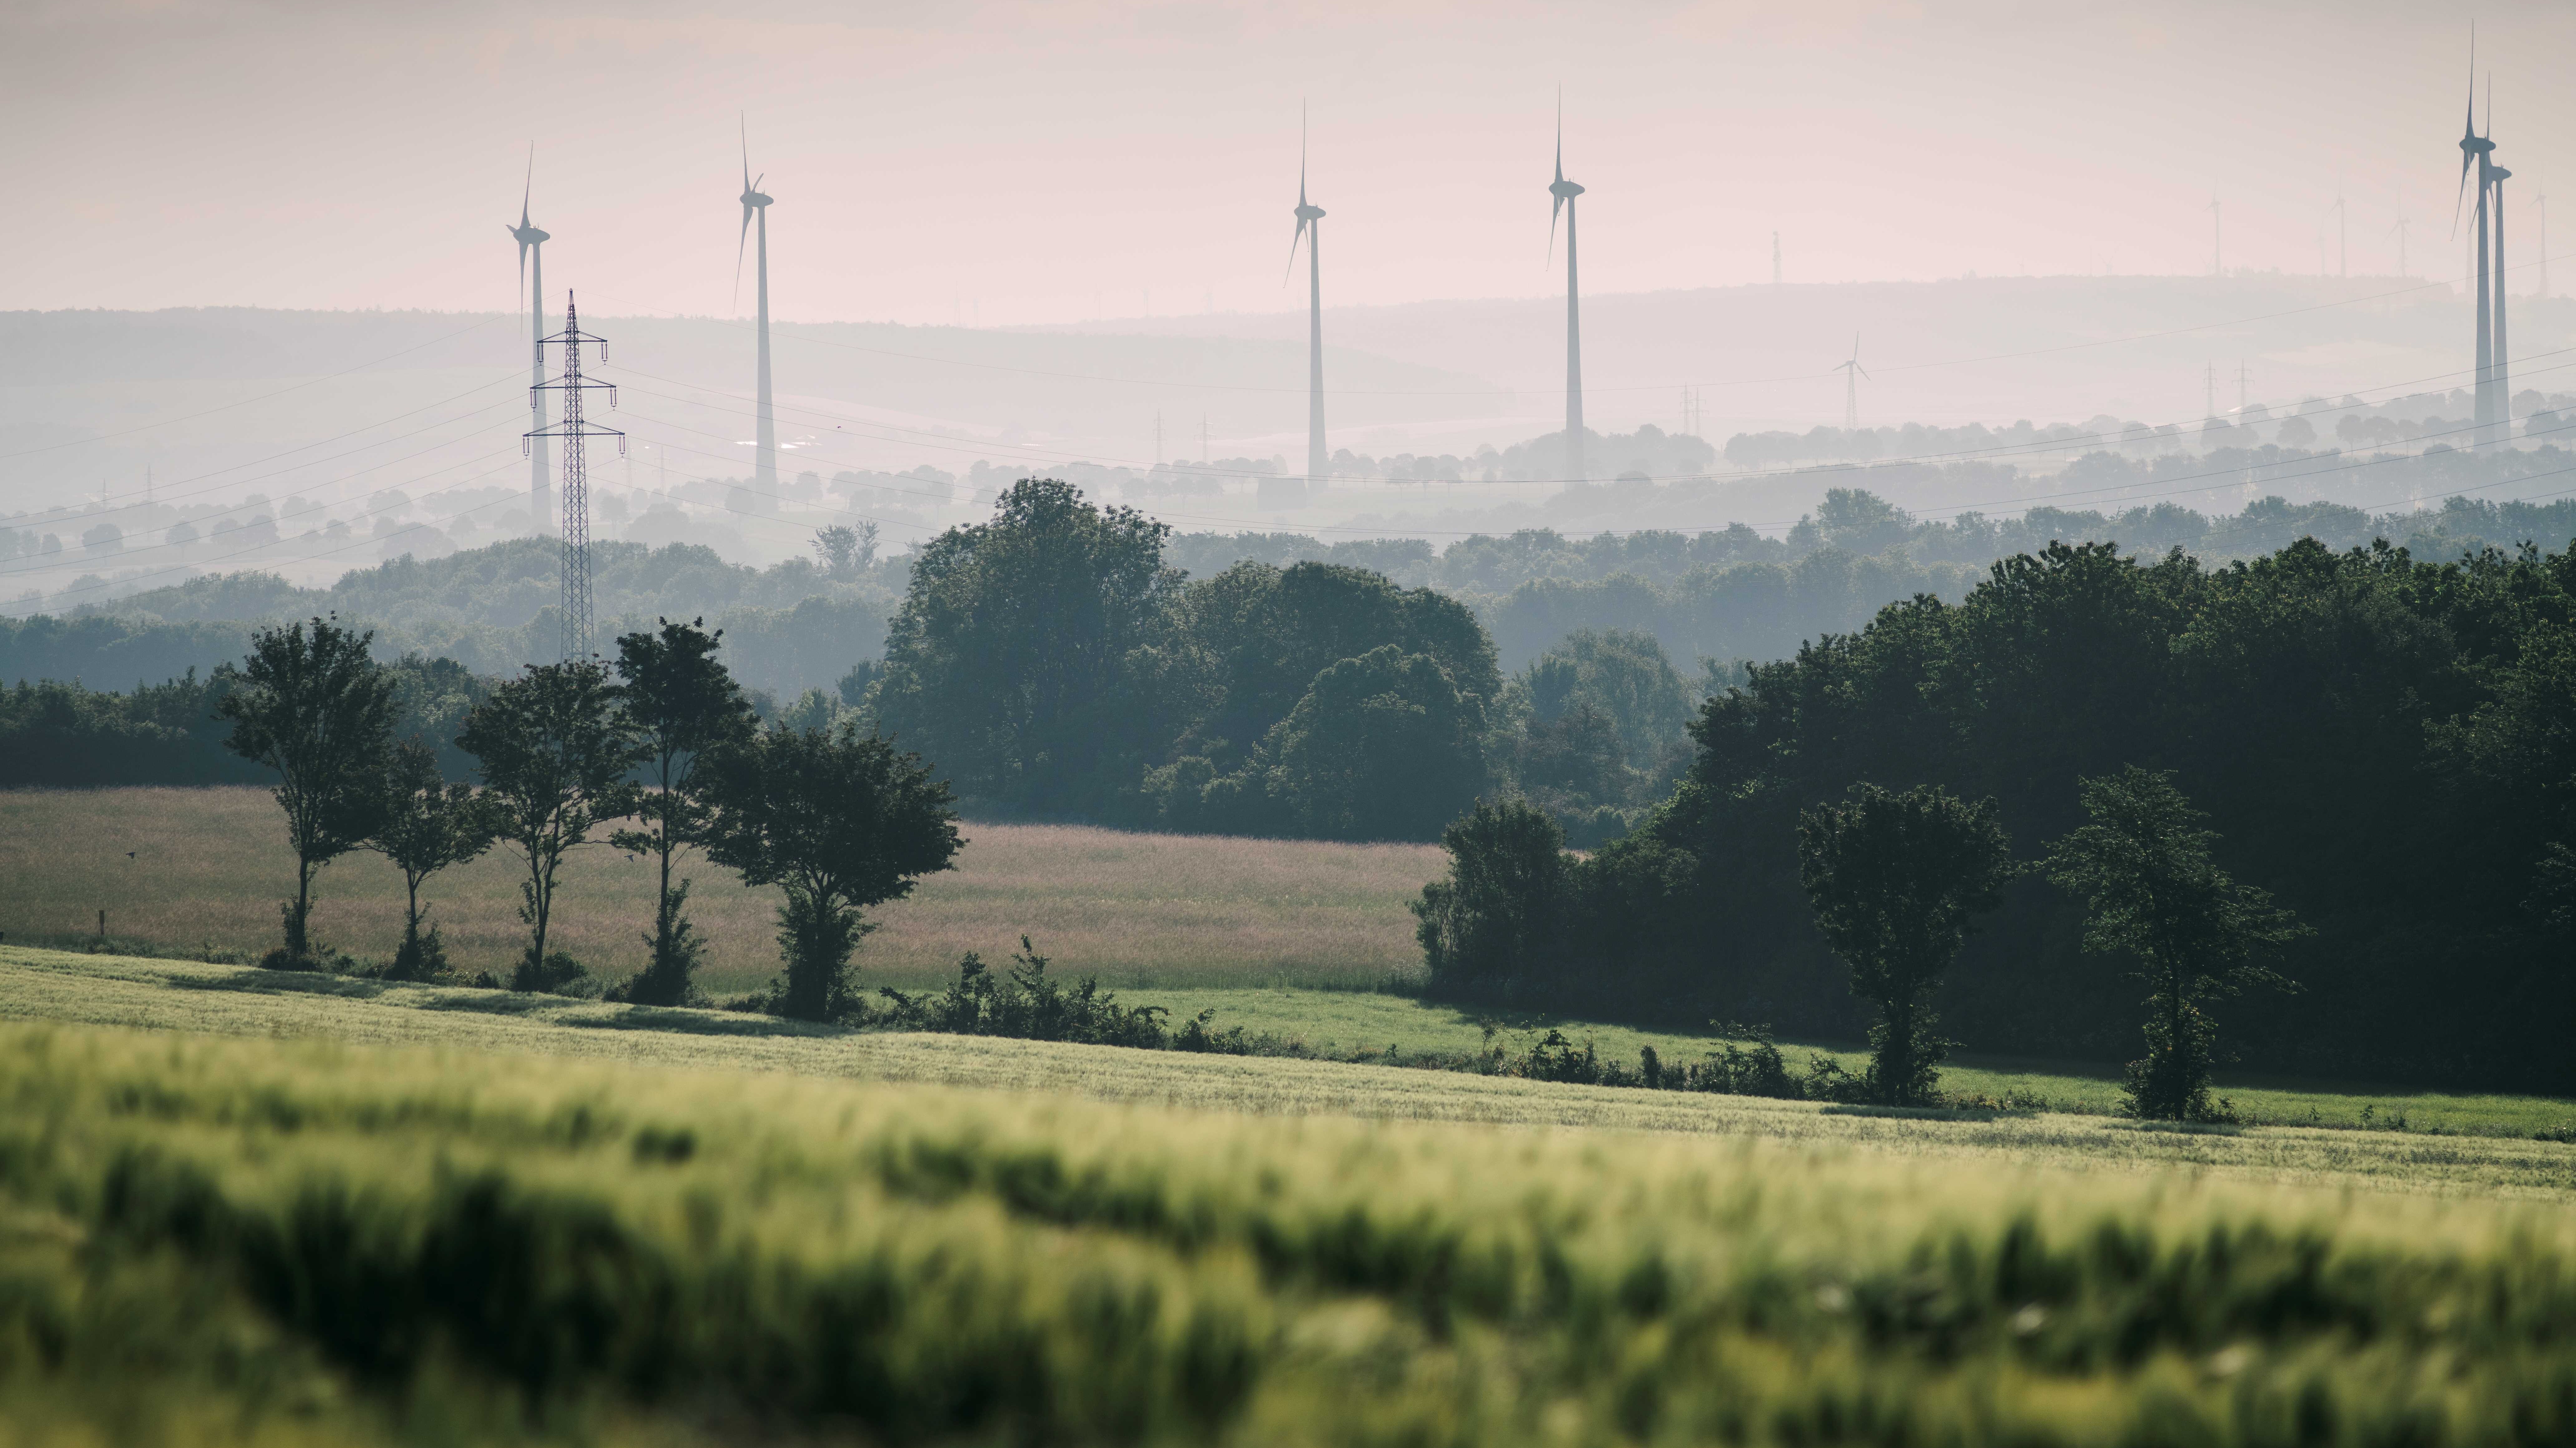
<point>219,1240</point>
<point>200,871</point>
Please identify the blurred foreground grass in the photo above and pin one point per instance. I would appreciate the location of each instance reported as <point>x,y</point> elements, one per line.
<point>210,1241</point>
<point>208,866</point>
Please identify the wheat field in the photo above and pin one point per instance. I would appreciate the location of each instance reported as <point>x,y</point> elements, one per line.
<point>200,871</point>
<point>219,1241</point>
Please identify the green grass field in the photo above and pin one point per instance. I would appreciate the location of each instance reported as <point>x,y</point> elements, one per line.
<point>208,867</point>
<point>263,1220</point>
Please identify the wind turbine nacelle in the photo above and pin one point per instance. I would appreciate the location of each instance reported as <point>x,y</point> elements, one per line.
<point>1564,190</point>
<point>1310,213</point>
<point>754,198</point>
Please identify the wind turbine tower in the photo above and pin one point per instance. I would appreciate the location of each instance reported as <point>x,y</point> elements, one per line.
<point>1565,191</point>
<point>764,480</point>
<point>1310,230</point>
<point>532,249</point>
<point>577,641</point>
<point>2503,387</point>
<point>1852,372</point>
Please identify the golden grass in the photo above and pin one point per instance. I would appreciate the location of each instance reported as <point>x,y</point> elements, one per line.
<point>162,995</point>
<point>209,866</point>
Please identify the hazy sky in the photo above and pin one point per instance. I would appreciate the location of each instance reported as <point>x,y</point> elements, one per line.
<point>1047,163</point>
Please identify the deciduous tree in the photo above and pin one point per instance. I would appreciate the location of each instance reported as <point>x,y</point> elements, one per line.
<point>2152,891</point>
<point>842,823</point>
<point>429,824</point>
<point>309,703</point>
<point>1896,882</point>
<point>554,749</point>
<point>680,703</point>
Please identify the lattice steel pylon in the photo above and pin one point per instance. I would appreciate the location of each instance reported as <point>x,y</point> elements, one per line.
<point>575,475</point>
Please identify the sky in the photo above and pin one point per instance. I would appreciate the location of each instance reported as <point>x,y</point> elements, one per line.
<point>1014,164</point>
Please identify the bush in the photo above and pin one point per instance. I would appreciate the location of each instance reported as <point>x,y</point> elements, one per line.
<point>1029,1005</point>
<point>1490,928</point>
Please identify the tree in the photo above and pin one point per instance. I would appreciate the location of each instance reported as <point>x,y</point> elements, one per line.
<point>842,823</point>
<point>1010,659</point>
<point>1492,926</point>
<point>1896,881</point>
<point>680,703</point>
<point>2150,888</point>
<point>846,550</point>
<point>554,750</point>
<point>313,706</point>
<point>1383,747</point>
<point>428,825</point>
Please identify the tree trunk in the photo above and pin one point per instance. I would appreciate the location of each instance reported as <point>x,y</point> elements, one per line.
<point>298,941</point>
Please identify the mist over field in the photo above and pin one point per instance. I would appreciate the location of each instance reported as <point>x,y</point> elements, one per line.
<point>1274,723</point>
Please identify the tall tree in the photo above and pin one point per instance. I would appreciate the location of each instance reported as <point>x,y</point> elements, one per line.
<point>429,824</point>
<point>1896,882</point>
<point>309,703</point>
<point>842,823</point>
<point>554,749</point>
<point>680,702</point>
<point>1383,747</point>
<point>2151,889</point>
<point>1011,659</point>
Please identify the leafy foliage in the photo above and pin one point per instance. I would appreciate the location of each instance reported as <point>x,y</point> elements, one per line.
<point>2152,891</point>
<point>1896,882</point>
<point>841,822</point>
<point>1491,927</point>
<point>428,825</point>
<point>1029,1005</point>
<point>555,750</point>
<point>680,703</point>
<point>312,706</point>
<point>1014,658</point>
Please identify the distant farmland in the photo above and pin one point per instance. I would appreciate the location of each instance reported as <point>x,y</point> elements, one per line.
<point>209,866</point>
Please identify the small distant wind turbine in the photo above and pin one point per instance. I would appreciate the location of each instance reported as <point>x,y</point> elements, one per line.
<point>755,202</point>
<point>1565,191</point>
<point>1310,230</point>
<point>1852,372</point>
<point>532,248</point>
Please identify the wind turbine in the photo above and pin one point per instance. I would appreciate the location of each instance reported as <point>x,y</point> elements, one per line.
<point>764,480</point>
<point>1310,230</point>
<point>532,248</point>
<point>2400,232</point>
<point>1852,372</point>
<point>2474,150</point>
<point>1565,191</point>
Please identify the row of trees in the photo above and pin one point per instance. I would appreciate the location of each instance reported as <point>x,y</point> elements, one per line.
<point>2382,743</point>
<point>656,756</point>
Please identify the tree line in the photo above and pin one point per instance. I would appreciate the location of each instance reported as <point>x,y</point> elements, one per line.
<point>2382,744</point>
<point>656,753</point>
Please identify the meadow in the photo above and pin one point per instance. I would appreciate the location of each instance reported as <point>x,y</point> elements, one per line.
<point>512,1035</point>
<point>200,871</point>
<point>220,1240</point>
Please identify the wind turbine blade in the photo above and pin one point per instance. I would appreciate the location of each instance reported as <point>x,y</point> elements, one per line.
<point>1292,251</point>
<point>738,249</point>
<point>745,124</point>
<point>1560,133</point>
<point>1552,213</point>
